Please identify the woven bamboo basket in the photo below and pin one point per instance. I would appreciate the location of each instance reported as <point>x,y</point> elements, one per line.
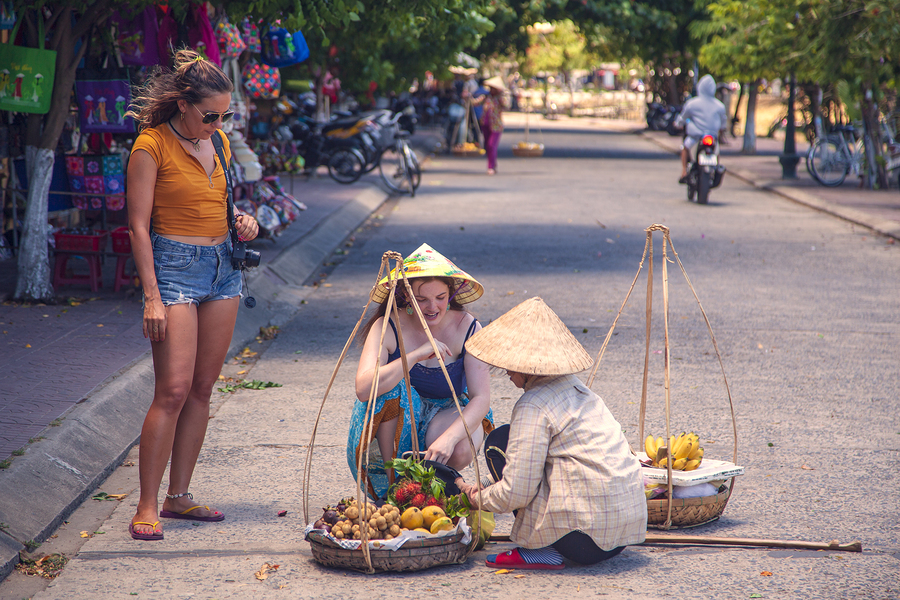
<point>534,151</point>
<point>670,512</point>
<point>414,555</point>
<point>467,153</point>
<point>687,512</point>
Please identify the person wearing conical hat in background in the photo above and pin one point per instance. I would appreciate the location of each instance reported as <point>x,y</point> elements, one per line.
<point>441,290</point>
<point>562,464</point>
<point>492,119</point>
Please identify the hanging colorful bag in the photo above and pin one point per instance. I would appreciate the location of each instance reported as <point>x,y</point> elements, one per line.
<point>138,37</point>
<point>100,178</point>
<point>231,44</point>
<point>26,74</point>
<point>280,48</point>
<point>261,81</point>
<point>103,98</point>
<point>200,34</point>
<point>7,14</point>
<point>250,33</point>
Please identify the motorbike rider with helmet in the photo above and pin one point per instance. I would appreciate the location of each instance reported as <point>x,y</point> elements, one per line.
<point>703,114</point>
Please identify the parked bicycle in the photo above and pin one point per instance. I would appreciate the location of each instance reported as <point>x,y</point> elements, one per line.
<point>833,156</point>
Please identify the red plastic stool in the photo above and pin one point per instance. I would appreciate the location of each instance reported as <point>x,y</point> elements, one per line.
<point>122,277</point>
<point>95,277</point>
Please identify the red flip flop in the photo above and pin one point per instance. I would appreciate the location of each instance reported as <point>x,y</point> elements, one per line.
<point>168,514</point>
<point>513,560</point>
<point>146,537</point>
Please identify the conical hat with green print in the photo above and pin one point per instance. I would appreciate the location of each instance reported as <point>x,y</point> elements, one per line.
<point>428,262</point>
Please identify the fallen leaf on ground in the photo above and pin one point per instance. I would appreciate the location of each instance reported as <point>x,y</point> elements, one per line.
<point>264,571</point>
<point>518,576</point>
<point>242,372</point>
<point>503,571</point>
<point>99,324</point>
<point>766,573</point>
<point>86,534</point>
<point>806,468</point>
<point>282,513</point>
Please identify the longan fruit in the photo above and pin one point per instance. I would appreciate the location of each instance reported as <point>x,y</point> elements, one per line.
<point>337,533</point>
<point>394,530</point>
<point>388,536</point>
<point>380,522</point>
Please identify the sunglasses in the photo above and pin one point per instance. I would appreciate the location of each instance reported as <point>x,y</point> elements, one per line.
<point>212,117</point>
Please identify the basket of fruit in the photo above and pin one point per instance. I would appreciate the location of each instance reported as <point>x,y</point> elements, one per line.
<point>683,489</point>
<point>417,525</point>
<point>410,541</point>
<point>528,149</point>
<point>467,149</point>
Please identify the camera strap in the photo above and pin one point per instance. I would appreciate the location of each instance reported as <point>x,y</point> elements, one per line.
<point>216,140</point>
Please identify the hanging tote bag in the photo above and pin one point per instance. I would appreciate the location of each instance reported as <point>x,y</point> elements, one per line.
<point>103,97</point>
<point>231,44</point>
<point>280,48</point>
<point>138,39</point>
<point>261,81</point>
<point>26,75</point>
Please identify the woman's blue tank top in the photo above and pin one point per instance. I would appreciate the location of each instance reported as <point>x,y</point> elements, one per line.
<point>430,381</point>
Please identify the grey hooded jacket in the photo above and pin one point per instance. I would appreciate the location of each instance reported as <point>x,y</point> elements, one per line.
<point>703,113</point>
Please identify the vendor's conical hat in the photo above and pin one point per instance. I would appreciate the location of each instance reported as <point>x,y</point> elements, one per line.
<point>495,82</point>
<point>428,262</point>
<point>530,339</point>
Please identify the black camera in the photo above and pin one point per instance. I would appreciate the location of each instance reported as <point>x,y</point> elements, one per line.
<point>244,258</point>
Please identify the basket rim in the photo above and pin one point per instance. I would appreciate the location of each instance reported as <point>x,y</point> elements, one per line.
<point>320,539</point>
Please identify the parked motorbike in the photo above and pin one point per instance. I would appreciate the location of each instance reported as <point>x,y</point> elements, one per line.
<point>704,171</point>
<point>661,117</point>
<point>335,144</point>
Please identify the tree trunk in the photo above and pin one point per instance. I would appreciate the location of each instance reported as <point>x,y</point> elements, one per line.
<point>737,107</point>
<point>750,122</point>
<point>33,281</point>
<point>41,139</point>
<point>875,175</point>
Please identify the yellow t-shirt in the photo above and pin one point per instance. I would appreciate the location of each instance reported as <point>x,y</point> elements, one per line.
<point>183,201</point>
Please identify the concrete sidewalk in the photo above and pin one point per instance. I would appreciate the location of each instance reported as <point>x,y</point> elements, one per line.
<point>878,210</point>
<point>76,378</point>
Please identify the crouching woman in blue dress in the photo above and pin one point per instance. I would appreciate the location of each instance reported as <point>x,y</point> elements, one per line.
<point>440,289</point>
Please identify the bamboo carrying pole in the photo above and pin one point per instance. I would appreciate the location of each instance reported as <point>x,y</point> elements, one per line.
<point>701,540</point>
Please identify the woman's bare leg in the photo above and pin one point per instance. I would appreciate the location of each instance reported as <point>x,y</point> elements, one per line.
<point>173,366</point>
<point>462,454</point>
<point>215,326</point>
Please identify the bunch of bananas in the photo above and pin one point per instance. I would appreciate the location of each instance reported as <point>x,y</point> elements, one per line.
<point>684,450</point>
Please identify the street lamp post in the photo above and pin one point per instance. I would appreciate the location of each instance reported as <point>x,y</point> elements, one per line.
<point>790,158</point>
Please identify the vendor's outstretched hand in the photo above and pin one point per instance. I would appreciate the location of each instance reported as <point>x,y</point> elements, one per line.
<point>471,491</point>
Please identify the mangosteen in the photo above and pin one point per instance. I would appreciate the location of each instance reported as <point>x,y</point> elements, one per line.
<point>328,528</point>
<point>319,524</point>
<point>330,517</point>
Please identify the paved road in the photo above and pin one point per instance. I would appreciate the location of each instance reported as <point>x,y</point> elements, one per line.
<point>804,308</point>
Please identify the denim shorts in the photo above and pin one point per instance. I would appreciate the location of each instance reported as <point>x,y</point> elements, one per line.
<point>193,274</point>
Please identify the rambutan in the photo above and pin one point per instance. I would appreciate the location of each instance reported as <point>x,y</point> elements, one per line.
<point>432,501</point>
<point>406,490</point>
<point>418,500</point>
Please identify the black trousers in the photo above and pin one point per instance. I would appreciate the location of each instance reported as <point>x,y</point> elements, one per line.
<point>575,546</point>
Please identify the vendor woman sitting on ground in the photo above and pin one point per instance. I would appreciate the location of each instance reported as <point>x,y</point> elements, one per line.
<point>440,289</point>
<point>562,464</point>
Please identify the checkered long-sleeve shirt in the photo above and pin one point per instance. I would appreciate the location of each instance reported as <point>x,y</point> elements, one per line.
<point>569,468</point>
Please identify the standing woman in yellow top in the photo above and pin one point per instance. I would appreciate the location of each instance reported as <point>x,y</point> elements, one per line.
<point>177,220</point>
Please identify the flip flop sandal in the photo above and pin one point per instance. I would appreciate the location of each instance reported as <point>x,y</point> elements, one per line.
<point>168,514</point>
<point>147,537</point>
<point>513,560</point>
